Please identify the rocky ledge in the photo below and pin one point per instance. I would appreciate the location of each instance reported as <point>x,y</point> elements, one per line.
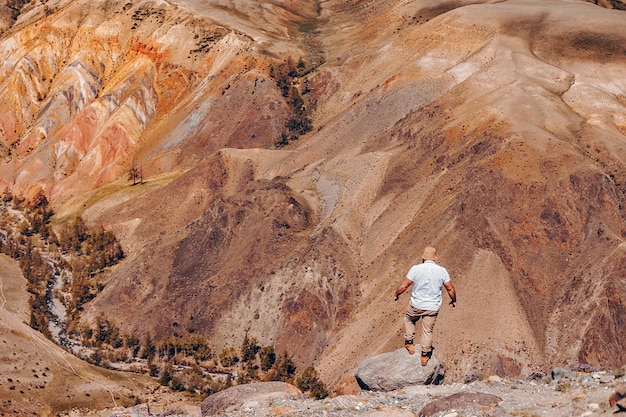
<point>564,393</point>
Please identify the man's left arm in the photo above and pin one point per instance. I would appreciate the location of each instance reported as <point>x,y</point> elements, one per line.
<point>451,292</point>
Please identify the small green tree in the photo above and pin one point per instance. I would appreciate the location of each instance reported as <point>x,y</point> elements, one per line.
<point>148,349</point>
<point>133,174</point>
<point>310,382</point>
<point>153,370</point>
<point>166,375</point>
<point>229,382</point>
<point>131,342</point>
<point>103,328</point>
<point>197,346</point>
<point>25,229</point>
<point>267,357</point>
<point>249,348</point>
<point>285,368</point>
<point>176,384</point>
<point>228,357</point>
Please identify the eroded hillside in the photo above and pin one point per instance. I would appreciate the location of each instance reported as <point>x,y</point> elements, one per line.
<point>492,130</point>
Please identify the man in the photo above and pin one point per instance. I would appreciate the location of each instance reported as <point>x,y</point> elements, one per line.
<point>427,279</point>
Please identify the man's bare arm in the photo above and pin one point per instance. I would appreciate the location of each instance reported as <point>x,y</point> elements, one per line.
<point>451,292</point>
<point>404,285</point>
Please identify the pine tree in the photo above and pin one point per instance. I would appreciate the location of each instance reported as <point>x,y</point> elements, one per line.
<point>249,349</point>
<point>267,357</point>
<point>310,382</point>
<point>285,368</point>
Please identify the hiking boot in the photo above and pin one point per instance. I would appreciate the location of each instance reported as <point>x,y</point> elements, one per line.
<point>409,346</point>
<point>426,356</point>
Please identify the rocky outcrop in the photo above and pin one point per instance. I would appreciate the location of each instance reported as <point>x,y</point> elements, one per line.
<point>247,393</point>
<point>398,369</point>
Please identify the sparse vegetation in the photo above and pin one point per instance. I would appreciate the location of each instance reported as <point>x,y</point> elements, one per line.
<point>310,382</point>
<point>19,233</point>
<point>189,364</point>
<point>267,357</point>
<point>135,175</point>
<point>228,357</point>
<point>183,363</point>
<point>26,235</point>
<point>287,76</point>
<point>205,43</point>
<point>146,13</point>
<point>563,386</point>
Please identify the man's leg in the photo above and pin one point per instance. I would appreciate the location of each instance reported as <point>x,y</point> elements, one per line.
<point>428,324</point>
<point>409,319</point>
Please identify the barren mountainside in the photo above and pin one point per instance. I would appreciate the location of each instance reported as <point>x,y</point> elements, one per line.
<point>296,157</point>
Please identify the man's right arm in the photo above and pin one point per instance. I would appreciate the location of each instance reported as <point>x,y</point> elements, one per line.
<point>404,285</point>
<point>451,292</point>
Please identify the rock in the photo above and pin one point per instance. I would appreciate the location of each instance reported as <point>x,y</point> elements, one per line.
<point>398,369</point>
<point>560,373</point>
<point>282,410</point>
<point>246,394</point>
<point>347,401</point>
<point>460,400</point>
<point>389,412</point>
<point>347,385</point>
<point>618,398</point>
<point>141,410</point>
<point>494,379</point>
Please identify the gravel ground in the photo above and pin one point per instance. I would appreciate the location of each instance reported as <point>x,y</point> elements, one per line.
<point>577,394</point>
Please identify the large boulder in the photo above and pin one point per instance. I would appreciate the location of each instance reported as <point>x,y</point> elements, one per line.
<point>618,397</point>
<point>241,394</point>
<point>398,369</point>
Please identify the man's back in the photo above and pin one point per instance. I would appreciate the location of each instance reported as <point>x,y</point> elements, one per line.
<point>428,279</point>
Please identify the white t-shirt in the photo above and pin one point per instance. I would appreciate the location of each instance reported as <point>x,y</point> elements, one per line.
<point>428,279</point>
